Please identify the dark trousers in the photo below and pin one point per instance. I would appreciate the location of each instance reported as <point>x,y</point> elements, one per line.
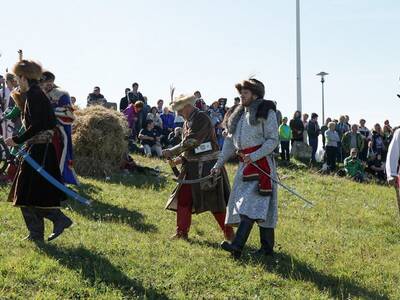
<point>285,154</point>
<point>34,219</point>
<point>339,153</point>
<point>363,153</point>
<point>313,141</point>
<point>331,154</point>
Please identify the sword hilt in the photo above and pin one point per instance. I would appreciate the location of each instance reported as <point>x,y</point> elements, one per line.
<point>173,167</point>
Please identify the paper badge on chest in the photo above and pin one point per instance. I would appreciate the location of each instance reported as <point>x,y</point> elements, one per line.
<point>203,148</point>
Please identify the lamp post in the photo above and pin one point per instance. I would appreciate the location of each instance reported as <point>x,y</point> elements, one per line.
<point>298,57</point>
<point>323,74</point>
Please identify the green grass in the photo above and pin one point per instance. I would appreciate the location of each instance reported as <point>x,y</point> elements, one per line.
<point>347,246</point>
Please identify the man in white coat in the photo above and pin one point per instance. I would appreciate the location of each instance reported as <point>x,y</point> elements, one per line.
<point>252,135</point>
<point>392,161</point>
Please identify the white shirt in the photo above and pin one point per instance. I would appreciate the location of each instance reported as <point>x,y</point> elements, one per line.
<point>179,119</point>
<point>7,96</point>
<point>392,161</point>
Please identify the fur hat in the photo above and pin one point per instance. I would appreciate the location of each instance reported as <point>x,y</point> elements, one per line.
<point>28,69</point>
<point>181,101</point>
<point>253,85</point>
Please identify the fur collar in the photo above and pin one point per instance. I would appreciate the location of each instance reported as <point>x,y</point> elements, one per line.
<point>258,109</point>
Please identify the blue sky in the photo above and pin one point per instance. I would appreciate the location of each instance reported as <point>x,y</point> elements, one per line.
<point>210,45</point>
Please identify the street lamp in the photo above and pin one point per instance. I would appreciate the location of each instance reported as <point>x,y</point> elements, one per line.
<point>323,74</point>
<point>298,57</point>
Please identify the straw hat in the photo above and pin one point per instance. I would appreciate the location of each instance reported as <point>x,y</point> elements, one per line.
<point>181,101</point>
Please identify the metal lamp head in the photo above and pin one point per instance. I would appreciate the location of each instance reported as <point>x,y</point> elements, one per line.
<point>322,74</point>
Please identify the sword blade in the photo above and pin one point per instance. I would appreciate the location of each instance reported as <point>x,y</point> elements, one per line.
<point>51,179</point>
<point>194,181</point>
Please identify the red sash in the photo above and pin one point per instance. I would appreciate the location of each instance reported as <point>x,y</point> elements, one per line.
<point>58,143</point>
<point>251,173</point>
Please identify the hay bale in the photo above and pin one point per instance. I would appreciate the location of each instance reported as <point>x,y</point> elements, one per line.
<point>100,140</point>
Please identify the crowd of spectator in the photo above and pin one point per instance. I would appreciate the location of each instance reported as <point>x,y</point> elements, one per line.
<point>350,149</point>
<point>155,128</point>
<point>361,151</point>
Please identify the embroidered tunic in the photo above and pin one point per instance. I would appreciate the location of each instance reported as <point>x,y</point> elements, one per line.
<point>61,103</point>
<point>197,130</point>
<point>245,198</point>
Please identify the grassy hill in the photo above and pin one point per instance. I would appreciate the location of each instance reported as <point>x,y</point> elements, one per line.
<point>347,246</point>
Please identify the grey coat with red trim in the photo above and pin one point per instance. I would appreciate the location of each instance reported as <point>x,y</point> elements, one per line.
<point>249,127</point>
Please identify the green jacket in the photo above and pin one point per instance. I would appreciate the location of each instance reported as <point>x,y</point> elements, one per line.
<point>346,141</point>
<point>285,132</point>
<point>353,167</point>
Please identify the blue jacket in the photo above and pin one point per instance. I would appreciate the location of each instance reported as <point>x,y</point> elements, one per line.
<point>168,120</point>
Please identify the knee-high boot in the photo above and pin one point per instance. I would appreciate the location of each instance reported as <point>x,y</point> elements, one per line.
<point>267,240</point>
<point>59,219</point>
<point>34,222</point>
<point>242,234</point>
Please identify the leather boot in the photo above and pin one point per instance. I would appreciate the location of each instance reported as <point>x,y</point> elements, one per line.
<point>242,234</point>
<point>229,233</point>
<point>267,240</point>
<point>60,222</point>
<point>35,224</point>
<point>180,236</point>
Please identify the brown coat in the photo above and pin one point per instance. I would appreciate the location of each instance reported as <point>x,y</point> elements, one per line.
<point>197,130</point>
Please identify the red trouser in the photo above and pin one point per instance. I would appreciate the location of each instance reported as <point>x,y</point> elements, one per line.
<point>184,213</point>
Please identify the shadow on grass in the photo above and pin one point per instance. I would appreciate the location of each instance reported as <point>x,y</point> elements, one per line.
<point>289,267</point>
<point>143,179</point>
<point>105,212</point>
<point>95,268</point>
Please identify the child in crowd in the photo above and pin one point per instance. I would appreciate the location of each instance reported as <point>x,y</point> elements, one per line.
<point>150,139</point>
<point>331,145</point>
<point>354,167</point>
<point>285,135</point>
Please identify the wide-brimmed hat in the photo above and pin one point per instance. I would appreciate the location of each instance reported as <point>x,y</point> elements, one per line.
<point>253,85</point>
<point>181,101</point>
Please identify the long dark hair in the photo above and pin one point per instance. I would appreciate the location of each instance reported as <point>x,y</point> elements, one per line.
<point>297,114</point>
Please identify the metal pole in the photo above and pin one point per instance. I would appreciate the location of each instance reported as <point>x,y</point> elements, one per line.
<point>323,74</point>
<point>323,100</point>
<point>298,56</point>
